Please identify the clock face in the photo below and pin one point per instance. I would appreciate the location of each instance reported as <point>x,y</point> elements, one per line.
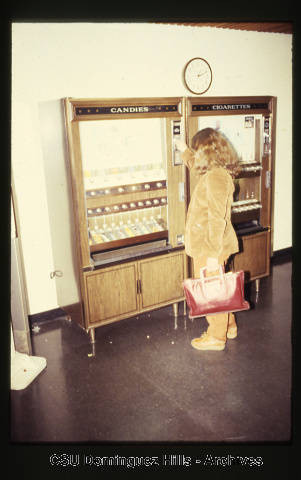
<point>197,75</point>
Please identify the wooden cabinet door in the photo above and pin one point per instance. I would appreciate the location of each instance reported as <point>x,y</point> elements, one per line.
<point>161,280</point>
<point>112,293</point>
<point>254,256</point>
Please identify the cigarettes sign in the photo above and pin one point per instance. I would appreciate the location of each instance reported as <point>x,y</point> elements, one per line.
<point>229,106</point>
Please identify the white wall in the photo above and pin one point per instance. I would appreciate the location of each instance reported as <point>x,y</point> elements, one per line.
<point>52,61</point>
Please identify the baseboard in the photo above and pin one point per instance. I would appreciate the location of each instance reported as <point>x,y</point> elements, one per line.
<point>47,316</point>
<point>73,311</point>
<point>283,255</point>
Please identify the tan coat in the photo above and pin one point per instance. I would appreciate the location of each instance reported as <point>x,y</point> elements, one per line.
<point>209,231</point>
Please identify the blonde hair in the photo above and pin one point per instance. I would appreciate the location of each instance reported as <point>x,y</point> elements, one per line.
<point>213,149</point>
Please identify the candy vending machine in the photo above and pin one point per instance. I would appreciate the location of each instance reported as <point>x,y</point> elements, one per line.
<point>129,205</point>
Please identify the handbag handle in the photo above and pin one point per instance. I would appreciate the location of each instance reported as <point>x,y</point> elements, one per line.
<point>220,275</point>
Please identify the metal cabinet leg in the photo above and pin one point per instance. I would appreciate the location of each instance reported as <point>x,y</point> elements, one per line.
<point>92,335</point>
<point>175,307</point>
<point>184,307</point>
<point>257,285</point>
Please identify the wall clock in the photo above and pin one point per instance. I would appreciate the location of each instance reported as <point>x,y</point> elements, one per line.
<point>197,75</point>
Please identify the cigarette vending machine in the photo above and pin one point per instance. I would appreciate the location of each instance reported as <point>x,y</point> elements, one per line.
<point>131,192</point>
<point>129,204</point>
<point>249,124</point>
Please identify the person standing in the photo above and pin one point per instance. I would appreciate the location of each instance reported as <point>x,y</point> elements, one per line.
<point>210,238</point>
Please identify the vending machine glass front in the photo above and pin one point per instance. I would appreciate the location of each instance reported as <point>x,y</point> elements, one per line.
<point>245,134</point>
<point>125,181</point>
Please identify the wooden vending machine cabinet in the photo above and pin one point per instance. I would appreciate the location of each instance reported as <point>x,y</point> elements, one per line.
<point>129,204</point>
<point>249,123</point>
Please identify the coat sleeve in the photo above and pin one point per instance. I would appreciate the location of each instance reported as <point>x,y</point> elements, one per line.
<point>188,158</point>
<point>217,196</point>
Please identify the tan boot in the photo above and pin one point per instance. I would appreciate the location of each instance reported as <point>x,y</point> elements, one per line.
<point>207,342</point>
<point>232,332</point>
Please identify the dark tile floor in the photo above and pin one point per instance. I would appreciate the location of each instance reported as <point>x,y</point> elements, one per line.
<point>143,382</point>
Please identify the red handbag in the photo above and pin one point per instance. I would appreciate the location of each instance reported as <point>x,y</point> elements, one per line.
<point>211,295</point>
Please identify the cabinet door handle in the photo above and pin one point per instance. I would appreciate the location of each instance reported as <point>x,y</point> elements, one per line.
<point>139,290</point>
